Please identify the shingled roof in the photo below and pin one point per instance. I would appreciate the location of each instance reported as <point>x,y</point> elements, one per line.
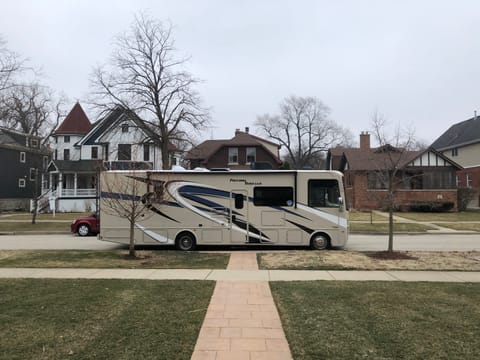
<point>76,122</point>
<point>207,148</point>
<point>462,133</point>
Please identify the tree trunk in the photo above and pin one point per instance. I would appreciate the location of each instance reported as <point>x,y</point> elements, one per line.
<point>131,247</point>
<point>390,229</point>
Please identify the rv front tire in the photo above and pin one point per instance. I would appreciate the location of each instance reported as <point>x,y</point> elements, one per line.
<point>319,242</point>
<point>185,242</point>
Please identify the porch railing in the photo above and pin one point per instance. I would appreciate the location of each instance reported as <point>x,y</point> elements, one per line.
<point>78,192</point>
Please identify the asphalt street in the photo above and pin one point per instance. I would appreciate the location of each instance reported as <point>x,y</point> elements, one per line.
<point>357,242</point>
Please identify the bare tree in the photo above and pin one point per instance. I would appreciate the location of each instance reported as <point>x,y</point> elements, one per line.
<point>393,151</point>
<point>124,196</point>
<point>146,76</point>
<point>33,109</point>
<point>11,64</point>
<point>304,130</point>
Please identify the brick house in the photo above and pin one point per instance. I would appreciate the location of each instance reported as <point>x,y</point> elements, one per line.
<point>424,177</point>
<point>243,151</point>
<point>461,143</point>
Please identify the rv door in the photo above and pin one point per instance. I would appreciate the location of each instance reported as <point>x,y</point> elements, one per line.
<point>239,217</point>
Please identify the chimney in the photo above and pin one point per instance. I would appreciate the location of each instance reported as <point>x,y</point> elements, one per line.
<point>237,131</point>
<point>364,141</point>
<point>247,129</point>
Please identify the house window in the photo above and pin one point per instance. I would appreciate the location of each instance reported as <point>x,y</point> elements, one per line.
<point>251,155</point>
<point>56,154</point>
<point>124,151</point>
<point>66,139</point>
<point>66,154</point>
<point>146,152</point>
<point>457,181</point>
<point>469,180</point>
<point>45,163</point>
<point>273,196</point>
<point>233,155</point>
<point>33,173</point>
<point>376,181</point>
<point>21,183</point>
<point>23,156</point>
<point>455,152</point>
<point>125,128</point>
<point>94,154</point>
<point>35,143</point>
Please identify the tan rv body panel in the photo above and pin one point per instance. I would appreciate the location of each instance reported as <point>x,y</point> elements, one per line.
<point>226,208</point>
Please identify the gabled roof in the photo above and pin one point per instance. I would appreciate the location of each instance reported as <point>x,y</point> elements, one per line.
<point>17,140</point>
<point>462,133</point>
<point>115,116</point>
<point>208,148</point>
<point>378,158</point>
<point>75,123</point>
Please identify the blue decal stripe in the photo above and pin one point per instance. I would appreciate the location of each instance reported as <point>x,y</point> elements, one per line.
<point>119,196</point>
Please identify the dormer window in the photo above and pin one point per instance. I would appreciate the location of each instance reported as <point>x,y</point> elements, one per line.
<point>125,128</point>
<point>35,143</point>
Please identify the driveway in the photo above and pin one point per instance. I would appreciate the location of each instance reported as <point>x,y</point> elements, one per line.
<point>357,242</point>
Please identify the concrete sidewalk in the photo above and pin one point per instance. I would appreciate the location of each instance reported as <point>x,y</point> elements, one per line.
<point>241,275</point>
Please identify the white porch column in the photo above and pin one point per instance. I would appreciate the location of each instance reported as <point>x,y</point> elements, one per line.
<point>75,184</point>
<point>50,181</point>
<point>59,187</point>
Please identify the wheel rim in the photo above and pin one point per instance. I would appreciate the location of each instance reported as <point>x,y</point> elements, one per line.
<point>320,242</point>
<point>83,230</point>
<point>186,242</point>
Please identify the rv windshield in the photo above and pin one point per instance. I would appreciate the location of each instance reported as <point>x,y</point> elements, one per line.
<point>323,193</point>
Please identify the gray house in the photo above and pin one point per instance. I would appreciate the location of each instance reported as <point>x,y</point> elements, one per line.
<point>24,161</point>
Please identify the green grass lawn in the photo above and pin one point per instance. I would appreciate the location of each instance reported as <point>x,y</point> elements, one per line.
<point>38,227</point>
<point>366,216</point>
<point>58,216</point>
<point>447,216</point>
<point>101,319</point>
<point>380,320</point>
<point>462,226</point>
<point>163,259</point>
<point>382,228</point>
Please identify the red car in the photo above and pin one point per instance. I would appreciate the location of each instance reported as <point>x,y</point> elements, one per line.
<point>87,225</point>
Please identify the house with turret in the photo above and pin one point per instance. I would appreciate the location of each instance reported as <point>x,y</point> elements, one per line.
<point>118,141</point>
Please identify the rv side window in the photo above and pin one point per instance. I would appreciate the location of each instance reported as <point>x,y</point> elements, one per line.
<point>323,193</point>
<point>238,201</point>
<point>273,196</point>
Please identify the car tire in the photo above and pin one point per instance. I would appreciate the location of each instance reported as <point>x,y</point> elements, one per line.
<point>185,242</point>
<point>320,242</point>
<point>83,230</point>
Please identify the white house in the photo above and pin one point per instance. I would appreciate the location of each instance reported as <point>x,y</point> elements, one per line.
<point>120,140</point>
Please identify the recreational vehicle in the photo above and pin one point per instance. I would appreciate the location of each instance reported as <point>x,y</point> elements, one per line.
<point>189,208</point>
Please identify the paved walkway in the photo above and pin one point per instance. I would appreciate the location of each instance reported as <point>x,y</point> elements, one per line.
<point>242,321</point>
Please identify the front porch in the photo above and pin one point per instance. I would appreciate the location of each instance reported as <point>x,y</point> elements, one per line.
<point>73,185</point>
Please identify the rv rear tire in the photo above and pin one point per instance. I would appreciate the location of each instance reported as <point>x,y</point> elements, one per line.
<point>185,242</point>
<point>319,242</point>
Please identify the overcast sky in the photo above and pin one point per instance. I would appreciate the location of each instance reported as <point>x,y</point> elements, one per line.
<point>417,62</point>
